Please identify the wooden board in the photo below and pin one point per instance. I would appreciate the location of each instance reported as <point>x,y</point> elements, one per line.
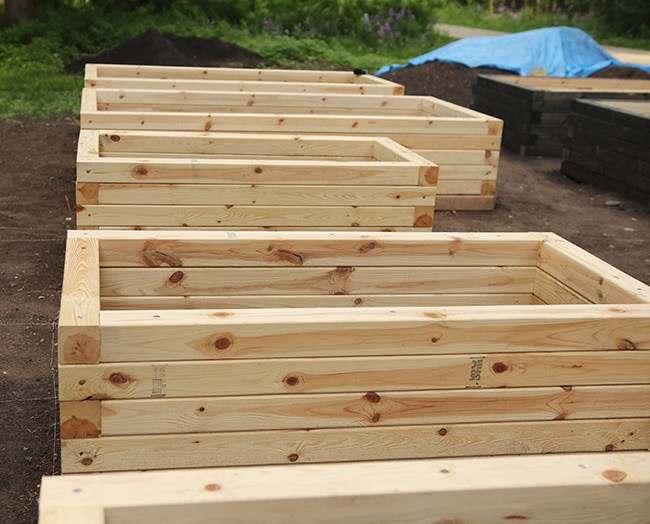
<point>594,488</point>
<point>237,79</point>
<point>535,110</point>
<point>424,124</point>
<point>142,179</point>
<point>244,348</point>
<point>607,146</point>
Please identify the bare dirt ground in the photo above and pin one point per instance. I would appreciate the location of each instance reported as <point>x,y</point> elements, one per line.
<point>37,171</point>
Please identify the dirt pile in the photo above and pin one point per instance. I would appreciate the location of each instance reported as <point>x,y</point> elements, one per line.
<point>154,48</point>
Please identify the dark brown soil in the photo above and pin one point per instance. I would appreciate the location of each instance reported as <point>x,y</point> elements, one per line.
<point>37,198</point>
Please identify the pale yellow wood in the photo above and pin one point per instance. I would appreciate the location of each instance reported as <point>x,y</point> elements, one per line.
<point>200,334</point>
<point>348,374</point>
<point>71,514</point>
<point>552,291</point>
<point>453,173</point>
<point>353,444</point>
<point>312,248</point>
<point>245,85</point>
<point>341,280</point>
<point>577,84</point>
<point>96,72</point>
<point>263,195</point>
<point>422,142</point>
<point>252,216</point>
<point>251,171</point>
<point>290,301</point>
<point>78,324</point>
<point>588,275</point>
<point>328,410</point>
<point>127,143</point>
<point>585,488</point>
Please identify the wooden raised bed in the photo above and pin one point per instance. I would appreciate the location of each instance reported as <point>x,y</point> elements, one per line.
<point>237,79</point>
<point>535,110</point>
<point>200,349</point>
<point>463,143</point>
<point>140,179</point>
<point>608,146</point>
<point>589,488</point>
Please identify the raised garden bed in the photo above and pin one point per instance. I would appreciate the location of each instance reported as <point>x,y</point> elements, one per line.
<point>199,349</point>
<point>607,145</point>
<point>464,144</point>
<point>148,179</point>
<point>535,110</point>
<point>237,79</point>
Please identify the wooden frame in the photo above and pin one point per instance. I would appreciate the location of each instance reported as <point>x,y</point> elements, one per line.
<point>588,488</point>
<point>464,144</point>
<point>607,145</point>
<point>237,79</point>
<point>158,180</point>
<point>535,110</point>
<point>241,348</point>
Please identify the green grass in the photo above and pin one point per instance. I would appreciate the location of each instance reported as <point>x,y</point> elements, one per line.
<point>526,19</point>
<point>33,83</point>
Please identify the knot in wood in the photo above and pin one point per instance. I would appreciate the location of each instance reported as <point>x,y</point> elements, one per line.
<point>119,379</point>
<point>140,171</point>
<point>176,277</point>
<point>614,475</point>
<point>222,343</point>
<point>293,380</point>
<point>625,344</point>
<point>372,397</point>
<point>293,457</point>
<point>115,138</point>
<point>500,367</point>
<point>212,487</point>
<point>442,432</point>
<point>366,247</point>
<point>86,461</point>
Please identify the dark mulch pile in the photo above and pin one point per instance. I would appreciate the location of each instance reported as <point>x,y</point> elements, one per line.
<point>153,48</point>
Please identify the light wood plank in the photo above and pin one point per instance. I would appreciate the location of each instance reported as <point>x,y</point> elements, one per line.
<point>312,248</point>
<point>351,374</point>
<point>217,334</point>
<point>263,195</point>
<point>354,444</point>
<point>590,276</point>
<point>251,216</point>
<point>290,301</point>
<point>78,324</point>
<point>341,280</point>
<point>610,489</point>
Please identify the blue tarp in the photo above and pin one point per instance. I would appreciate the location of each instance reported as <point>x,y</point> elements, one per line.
<point>552,51</point>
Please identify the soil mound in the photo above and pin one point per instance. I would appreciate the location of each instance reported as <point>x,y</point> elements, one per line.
<point>153,48</point>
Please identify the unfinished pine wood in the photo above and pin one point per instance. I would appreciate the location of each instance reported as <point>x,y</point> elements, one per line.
<point>353,444</point>
<point>236,79</point>
<point>267,340</point>
<point>424,124</point>
<point>535,110</point>
<point>158,180</point>
<point>594,488</point>
<point>350,374</point>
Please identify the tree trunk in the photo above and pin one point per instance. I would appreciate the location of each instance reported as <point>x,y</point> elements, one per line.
<point>17,10</point>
